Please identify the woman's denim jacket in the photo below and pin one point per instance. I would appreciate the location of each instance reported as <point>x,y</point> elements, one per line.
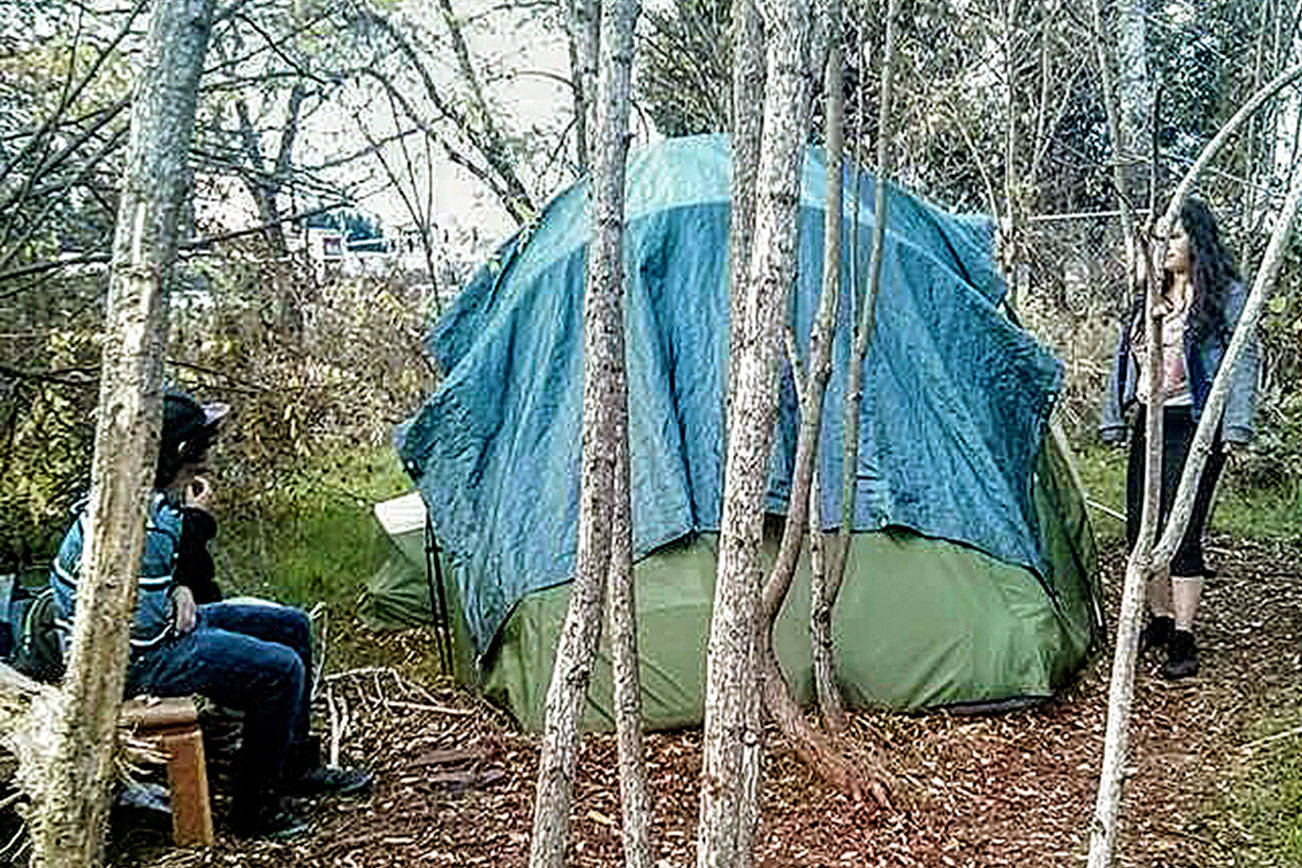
<point>1202,360</point>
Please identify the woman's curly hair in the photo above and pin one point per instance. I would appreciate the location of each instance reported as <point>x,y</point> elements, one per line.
<point>1211,269</point>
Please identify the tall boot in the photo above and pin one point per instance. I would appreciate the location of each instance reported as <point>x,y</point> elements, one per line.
<point>1182,656</point>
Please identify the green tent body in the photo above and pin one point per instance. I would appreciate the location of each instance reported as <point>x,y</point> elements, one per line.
<point>970,578</point>
<point>920,623</point>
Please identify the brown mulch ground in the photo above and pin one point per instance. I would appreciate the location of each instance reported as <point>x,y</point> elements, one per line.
<point>456,781</point>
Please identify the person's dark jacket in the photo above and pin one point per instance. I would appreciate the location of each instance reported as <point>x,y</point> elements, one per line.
<point>1202,361</point>
<point>194,566</point>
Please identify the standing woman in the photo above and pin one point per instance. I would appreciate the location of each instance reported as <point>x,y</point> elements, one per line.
<point>1201,300</point>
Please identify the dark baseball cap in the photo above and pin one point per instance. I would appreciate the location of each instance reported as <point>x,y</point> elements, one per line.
<point>188,429</point>
<point>185,420</point>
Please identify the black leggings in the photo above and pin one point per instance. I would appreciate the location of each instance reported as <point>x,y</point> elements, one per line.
<point>1177,434</point>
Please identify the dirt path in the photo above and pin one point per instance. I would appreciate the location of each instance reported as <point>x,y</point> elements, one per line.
<point>1016,789</point>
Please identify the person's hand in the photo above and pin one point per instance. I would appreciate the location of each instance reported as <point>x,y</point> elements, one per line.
<point>198,494</point>
<point>183,610</point>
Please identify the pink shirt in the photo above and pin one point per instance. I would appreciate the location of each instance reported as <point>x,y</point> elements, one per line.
<point>1175,376</point>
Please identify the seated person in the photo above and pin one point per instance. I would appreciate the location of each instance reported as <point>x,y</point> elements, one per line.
<point>253,657</point>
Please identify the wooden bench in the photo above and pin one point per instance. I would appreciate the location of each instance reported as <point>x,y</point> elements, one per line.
<point>172,726</point>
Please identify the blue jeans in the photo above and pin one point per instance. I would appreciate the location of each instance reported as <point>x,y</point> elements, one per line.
<point>251,657</point>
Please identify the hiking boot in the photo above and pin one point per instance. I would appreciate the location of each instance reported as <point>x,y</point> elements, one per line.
<point>332,781</point>
<point>302,757</point>
<point>1182,656</point>
<point>1156,634</point>
<point>273,822</point>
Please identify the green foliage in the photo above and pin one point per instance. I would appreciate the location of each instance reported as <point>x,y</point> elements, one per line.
<point>1276,457</point>
<point>1267,804</point>
<point>315,539</point>
<point>47,397</point>
<point>1102,473</point>
<point>1242,509</point>
<point>1249,511</point>
<point>335,371</point>
<point>1190,52</point>
<point>341,369</point>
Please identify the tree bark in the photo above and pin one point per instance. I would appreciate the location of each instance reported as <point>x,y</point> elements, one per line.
<point>808,741</point>
<point>583,22</point>
<point>747,126</point>
<point>605,437</point>
<point>811,392</point>
<point>69,825</point>
<point>635,801</point>
<point>1139,566</point>
<point>264,185</point>
<point>867,318</point>
<point>617,61</point>
<point>820,606</point>
<point>772,268</point>
<point>1135,97</point>
<point>1115,133</point>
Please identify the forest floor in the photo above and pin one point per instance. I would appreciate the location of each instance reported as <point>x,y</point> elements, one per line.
<point>456,779</point>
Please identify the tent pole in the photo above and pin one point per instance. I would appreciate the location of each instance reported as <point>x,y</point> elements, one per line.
<point>438,602</point>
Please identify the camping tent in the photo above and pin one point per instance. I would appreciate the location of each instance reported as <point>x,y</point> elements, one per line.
<point>970,577</point>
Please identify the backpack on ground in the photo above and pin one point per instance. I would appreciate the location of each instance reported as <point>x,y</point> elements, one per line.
<point>38,642</point>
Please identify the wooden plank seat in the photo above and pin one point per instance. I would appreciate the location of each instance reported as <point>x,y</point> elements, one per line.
<point>172,726</point>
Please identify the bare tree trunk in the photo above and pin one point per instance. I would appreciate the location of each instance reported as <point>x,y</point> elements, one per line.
<point>1135,95</point>
<point>1115,133</point>
<point>772,267</point>
<point>69,825</point>
<point>605,452</point>
<point>1250,147</point>
<point>583,23</point>
<point>623,640</point>
<point>867,318</point>
<point>1147,558</point>
<point>617,61</point>
<point>1139,566</point>
<point>265,179</point>
<point>820,607</point>
<point>747,124</point>
<point>781,704</point>
<point>1010,225</point>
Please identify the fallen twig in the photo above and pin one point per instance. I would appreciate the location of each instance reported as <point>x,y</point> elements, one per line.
<point>1106,510</point>
<point>334,727</point>
<point>1253,745</point>
<point>438,709</point>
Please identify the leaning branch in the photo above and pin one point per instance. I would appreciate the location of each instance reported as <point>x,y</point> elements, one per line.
<point>1146,557</point>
